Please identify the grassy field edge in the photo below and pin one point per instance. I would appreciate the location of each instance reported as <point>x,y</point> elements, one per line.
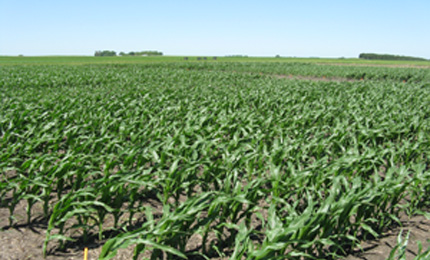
<point>83,60</point>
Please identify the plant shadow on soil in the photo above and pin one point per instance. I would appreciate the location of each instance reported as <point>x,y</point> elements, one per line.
<point>25,240</point>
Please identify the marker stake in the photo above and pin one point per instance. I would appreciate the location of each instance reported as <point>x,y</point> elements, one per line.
<point>86,253</point>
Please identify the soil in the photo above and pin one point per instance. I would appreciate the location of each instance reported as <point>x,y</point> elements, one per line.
<point>419,228</point>
<point>25,241</point>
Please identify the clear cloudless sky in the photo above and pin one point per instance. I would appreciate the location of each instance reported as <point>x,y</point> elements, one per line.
<point>306,28</point>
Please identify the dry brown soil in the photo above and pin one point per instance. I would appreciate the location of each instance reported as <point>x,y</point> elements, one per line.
<point>24,242</point>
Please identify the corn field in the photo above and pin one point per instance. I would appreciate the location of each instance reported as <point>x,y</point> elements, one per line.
<point>215,160</point>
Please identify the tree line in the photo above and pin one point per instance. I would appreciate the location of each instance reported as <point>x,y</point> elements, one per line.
<point>132,53</point>
<point>374,56</point>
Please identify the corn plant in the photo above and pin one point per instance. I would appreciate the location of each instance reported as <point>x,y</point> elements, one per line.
<point>255,164</point>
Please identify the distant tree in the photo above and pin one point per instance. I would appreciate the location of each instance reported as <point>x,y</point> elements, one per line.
<point>151,53</point>
<point>142,53</point>
<point>374,56</point>
<point>131,53</point>
<point>237,56</point>
<point>105,53</point>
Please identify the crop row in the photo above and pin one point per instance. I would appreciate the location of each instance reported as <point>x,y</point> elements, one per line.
<point>158,157</point>
<point>314,70</point>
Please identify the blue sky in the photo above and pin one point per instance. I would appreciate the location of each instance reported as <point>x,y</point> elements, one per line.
<point>307,28</point>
